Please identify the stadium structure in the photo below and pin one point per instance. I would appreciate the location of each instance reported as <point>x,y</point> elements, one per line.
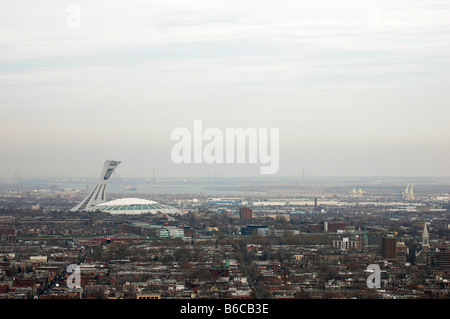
<point>96,200</point>
<point>134,206</point>
<point>98,194</point>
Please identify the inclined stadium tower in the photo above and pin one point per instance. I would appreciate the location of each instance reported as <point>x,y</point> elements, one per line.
<point>96,200</point>
<point>97,196</point>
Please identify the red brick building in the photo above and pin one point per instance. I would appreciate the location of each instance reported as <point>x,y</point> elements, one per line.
<point>389,247</point>
<point>245,213</point>
<point>8,234</point>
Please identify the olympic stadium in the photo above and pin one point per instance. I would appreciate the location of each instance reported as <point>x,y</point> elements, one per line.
<point>96,200</point>
<point>135,206</point>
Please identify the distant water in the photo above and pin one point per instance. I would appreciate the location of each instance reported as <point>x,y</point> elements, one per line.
<point>227,186</point>
<point>161,187</point>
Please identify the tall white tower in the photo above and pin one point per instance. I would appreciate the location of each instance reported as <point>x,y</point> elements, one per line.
<point>425,237</point>
<point>421,256</point>
<point>97,195</point>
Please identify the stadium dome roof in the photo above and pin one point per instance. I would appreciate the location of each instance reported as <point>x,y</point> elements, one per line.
<point>136,206</point>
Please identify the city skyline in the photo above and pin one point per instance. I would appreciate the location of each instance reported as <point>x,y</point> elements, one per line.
<point>356,88</point>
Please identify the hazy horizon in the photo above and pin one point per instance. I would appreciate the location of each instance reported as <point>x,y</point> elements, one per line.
<point>356,88</point>
<point>311,179</point>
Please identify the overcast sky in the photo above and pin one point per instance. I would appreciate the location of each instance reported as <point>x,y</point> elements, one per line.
<point>355,87</point>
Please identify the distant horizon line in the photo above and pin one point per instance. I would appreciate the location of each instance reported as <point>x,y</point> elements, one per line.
<point>230,177</point>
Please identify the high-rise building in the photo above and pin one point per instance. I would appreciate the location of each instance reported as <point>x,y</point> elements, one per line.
<point>443,259</point>
<point>348,243</point>
<point>389,247</point>
<point>245,213</point>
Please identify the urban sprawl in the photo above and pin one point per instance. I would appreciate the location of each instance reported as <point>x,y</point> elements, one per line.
<point>318,243</point>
